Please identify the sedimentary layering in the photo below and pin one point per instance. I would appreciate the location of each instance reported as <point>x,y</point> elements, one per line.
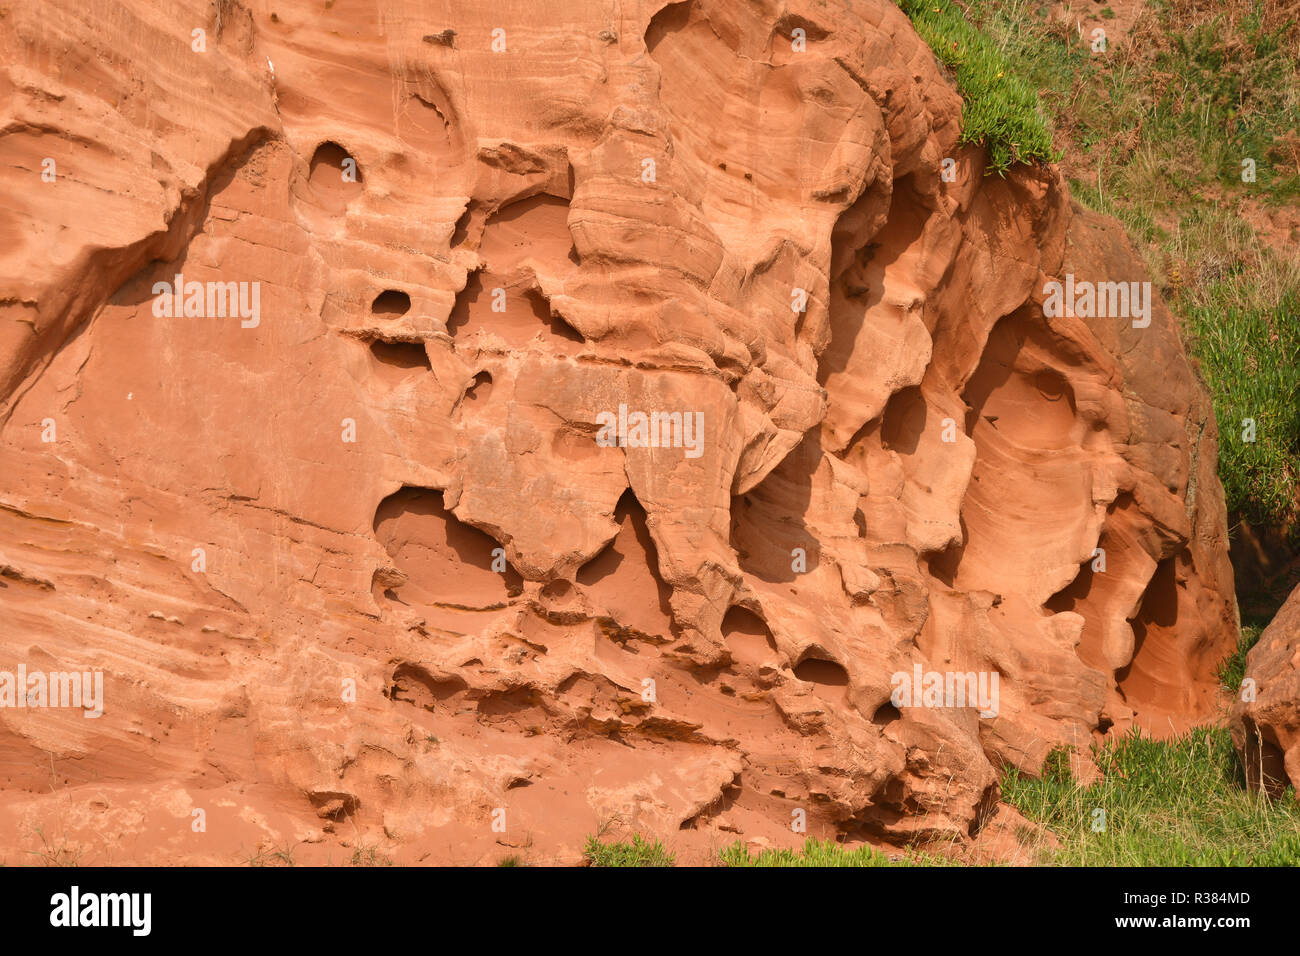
<point>1266,715</point>
<point>326,337</point>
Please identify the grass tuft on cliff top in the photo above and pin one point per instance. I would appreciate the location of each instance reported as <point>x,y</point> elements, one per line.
<point>999,109</point>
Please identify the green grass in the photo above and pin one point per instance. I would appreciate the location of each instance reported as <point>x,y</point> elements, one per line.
<point>1250,357</point>
<point>821,853</point>
<point>1178,802</point>
<point>1187,95</point>
<point>272,856</point>
<point>635,852</point>
<point>641,852</point>
<point>813,853</point>
<point>1233,669</point>
<point>999,110</point>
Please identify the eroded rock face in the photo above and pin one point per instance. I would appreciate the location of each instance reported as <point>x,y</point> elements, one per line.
<point>1266,713</point>
<point>360,565</point>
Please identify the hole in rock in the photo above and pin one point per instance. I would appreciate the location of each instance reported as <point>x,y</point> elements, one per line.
<point>515,314</point>
<point>1154,676</point>
<point>748,638</point>
<point>622,581</point>
<point>985,810</point>
<point>1076,591</point>
<point>390,304</point>
<point>666,22</point>
<point>334,804</point>
<point>768,532</point>
<point>945,564</point>
<point>1033,406</point>
<point>534,228</point>
<point>553,320</point>
<point>334,175</point>
<point>871,282</point>
<point>472,212</point>
<point>480,388</point>
<point>508,703</point>
<point>1099,596</point>
<point>398,359</point>
<point>904,420</point>
<point>1265,760</point>
<point>886,714</point>
<point>818,670</point>
<point>444,560</point>
<point>415,685</point>
<point>1051,385</point>
<point>830,680</point>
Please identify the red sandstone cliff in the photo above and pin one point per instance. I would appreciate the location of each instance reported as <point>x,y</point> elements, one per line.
<point>943,456</point>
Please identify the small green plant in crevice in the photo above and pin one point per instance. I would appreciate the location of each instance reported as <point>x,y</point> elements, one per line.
<point>1056,766</point>
<point>1233,669</point>
<point>635,852</point>
<point>999,109</point>
<point>1175,802</point>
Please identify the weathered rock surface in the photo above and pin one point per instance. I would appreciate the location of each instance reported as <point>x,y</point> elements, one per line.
<point>1266,713</point>
<point>915,470</point>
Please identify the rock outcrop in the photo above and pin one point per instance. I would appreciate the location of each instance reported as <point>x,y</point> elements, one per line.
<point>379,557</point>
<point>1266,713</point>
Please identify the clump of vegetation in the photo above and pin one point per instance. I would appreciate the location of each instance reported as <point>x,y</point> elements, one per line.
<point>1233,669</point>
<point>1176,802</point>
<point>369,856</point>
<point>635,852</point>
<point>814,853</point>
<point>55,853</point>
<point>1177,102</point>
<point>999,110</point>
<point>271,856</point>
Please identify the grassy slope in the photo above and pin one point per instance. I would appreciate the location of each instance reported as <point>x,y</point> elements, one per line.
<point>1000,108</point>
<point>1179,802</point>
